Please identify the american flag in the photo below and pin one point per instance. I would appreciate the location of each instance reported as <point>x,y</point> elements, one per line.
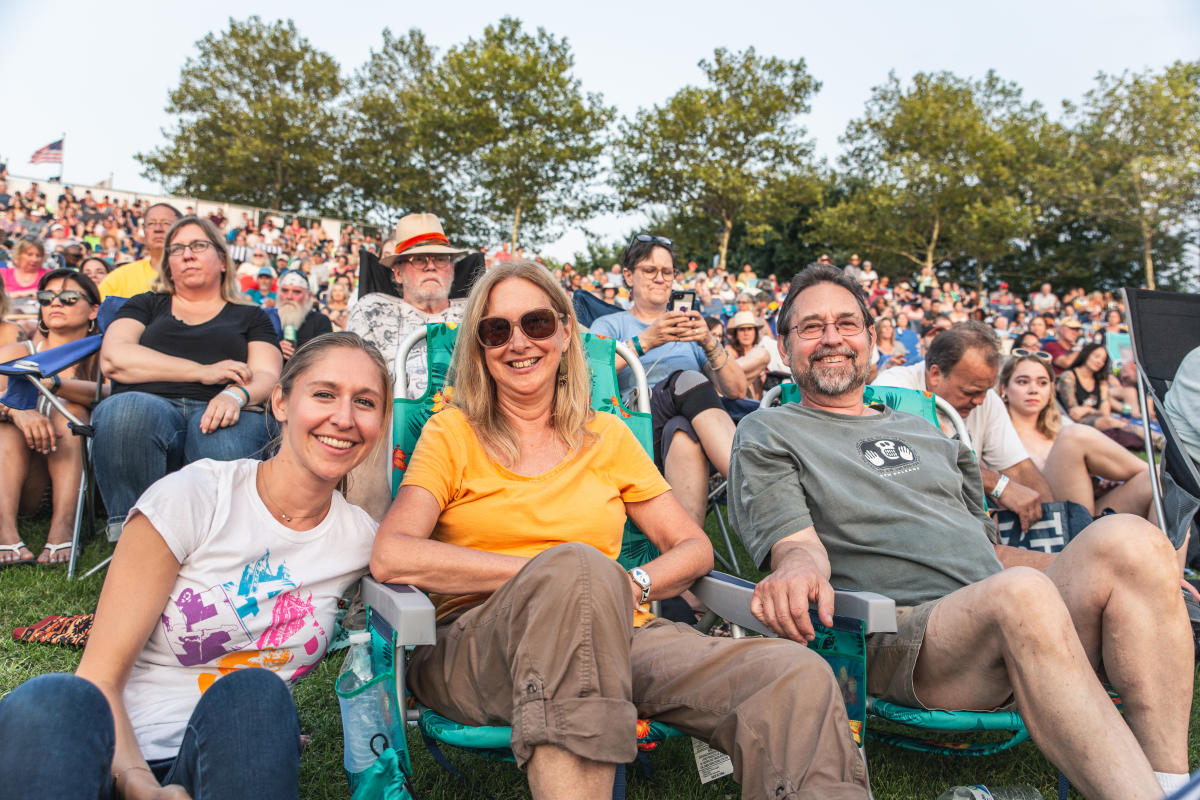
<point>50,154</point>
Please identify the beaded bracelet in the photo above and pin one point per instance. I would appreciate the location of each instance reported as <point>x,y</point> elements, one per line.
<point>236,397</point>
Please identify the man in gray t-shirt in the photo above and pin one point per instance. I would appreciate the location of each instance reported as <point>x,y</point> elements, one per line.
<point>837,490</point>
<point>913,527</point>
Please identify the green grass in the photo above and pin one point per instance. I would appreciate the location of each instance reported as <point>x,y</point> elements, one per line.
<point>27,594</point>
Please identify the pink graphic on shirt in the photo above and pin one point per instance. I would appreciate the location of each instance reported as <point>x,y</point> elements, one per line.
<point>287,619</point>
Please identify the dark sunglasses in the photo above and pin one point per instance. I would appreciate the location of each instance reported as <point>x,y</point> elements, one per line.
<point>649,237</point>
<point>1040,355</point>
<point>68,297</point>
<point>541,323</point>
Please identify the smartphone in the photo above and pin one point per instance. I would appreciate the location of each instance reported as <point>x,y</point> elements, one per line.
<point>682,300</point>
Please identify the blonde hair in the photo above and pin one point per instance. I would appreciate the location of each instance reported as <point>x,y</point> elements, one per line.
<point>1049,422</point>
<point>164,283</point>
<point>475,390</point>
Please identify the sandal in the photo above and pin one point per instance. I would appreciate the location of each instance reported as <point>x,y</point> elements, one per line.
<point>54,550</point>
<point>15,549</point>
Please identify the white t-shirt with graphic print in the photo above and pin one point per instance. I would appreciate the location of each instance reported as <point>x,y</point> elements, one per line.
<point>250,592</point>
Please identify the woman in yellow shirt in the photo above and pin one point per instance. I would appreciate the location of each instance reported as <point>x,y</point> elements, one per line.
<point>511,514</point>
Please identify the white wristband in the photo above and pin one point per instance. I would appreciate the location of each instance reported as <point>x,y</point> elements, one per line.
<point>241,401</point>
<point>1000,486</point>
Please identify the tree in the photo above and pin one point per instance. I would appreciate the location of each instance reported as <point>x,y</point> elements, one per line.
<point>938,172</point>
<point>721,150</point>
<point>1137,140</point>
<point>525,137</point>
<point>256,120</point>
<point>392,164</point>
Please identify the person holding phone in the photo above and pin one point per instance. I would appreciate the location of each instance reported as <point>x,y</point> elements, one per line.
<point>686,366</point>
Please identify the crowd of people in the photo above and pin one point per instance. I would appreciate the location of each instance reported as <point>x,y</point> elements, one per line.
<point>241,392</point>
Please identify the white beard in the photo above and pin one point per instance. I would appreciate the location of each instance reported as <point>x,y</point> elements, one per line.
<point>291,314</point>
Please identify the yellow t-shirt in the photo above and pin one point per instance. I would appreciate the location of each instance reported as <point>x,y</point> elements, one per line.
<point>488,507</point>
<point>128,279</point>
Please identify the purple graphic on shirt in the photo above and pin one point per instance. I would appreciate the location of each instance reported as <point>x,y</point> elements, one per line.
<point>193,608</point>
<point>201,625</point>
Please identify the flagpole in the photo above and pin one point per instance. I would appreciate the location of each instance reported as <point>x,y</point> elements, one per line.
<point>62,165</point>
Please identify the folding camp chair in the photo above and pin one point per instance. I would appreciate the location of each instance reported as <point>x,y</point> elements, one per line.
<point>927,406</point>
<point>400,616</point>
<point>1164,327</point>
<point>24,386</point>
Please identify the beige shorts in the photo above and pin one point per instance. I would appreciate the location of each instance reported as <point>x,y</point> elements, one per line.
<point>892,658</point>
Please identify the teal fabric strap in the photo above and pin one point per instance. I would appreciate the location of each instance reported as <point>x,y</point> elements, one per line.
<point>637,345</point>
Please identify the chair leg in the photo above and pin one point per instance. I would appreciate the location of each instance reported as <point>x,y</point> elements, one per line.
<point>80,508</point>
<point>735,566</point>
<point>96,568</point>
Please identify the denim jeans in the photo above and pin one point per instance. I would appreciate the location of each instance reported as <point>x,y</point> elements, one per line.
<point>242,741</point>
<point>141,437</point>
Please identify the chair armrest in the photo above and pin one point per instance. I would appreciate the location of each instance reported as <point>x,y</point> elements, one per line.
<point>403,608</point>
<point>729,597</point>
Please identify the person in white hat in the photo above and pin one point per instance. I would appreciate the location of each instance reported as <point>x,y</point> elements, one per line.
<point>422,264</point>
<point>744,346</point>
<point>298,319</point>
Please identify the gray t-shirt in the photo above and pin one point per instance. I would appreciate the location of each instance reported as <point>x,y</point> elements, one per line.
<point>898,506</point>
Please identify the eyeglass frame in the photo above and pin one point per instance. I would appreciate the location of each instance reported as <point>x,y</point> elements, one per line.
<point>177,248</point>
<point>75,296</point>
<point>859,323</point>
<point>560,319</point>
<point>1040,355</point>
<point>428,258</point>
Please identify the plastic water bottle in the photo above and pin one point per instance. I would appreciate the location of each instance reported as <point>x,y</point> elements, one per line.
<point>289,333</point>
<point>981,792</point>
<point>364,715</point>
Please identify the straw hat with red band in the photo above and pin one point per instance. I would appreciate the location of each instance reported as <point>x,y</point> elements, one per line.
<point>420,234</point>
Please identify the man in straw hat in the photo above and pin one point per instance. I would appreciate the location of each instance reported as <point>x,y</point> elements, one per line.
<point>422,265</point>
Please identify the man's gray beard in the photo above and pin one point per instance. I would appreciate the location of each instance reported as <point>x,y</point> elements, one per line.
<point>291,314</point>
<point>831,383</point>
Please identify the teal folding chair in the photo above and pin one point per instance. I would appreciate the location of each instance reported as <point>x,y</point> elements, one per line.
<point>924,724</point>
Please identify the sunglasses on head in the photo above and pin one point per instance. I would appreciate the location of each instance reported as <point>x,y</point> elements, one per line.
<point>541,323</point>
<point>650,237</point>
<point>68,297</point>
<point>1040,355</point>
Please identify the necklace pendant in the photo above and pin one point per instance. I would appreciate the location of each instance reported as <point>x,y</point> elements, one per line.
<point>284,517</point>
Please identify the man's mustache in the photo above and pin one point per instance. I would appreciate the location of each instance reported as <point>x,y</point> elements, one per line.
<point>823,352</point>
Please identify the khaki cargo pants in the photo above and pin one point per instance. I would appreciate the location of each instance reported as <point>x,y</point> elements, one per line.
<point>554,654</point>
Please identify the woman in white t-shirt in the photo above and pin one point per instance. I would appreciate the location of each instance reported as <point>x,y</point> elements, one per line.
<point>226,572</point>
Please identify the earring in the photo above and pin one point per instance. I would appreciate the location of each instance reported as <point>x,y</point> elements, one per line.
<point>562,373</point>
<point>93,327</point>
<point>41,326</point>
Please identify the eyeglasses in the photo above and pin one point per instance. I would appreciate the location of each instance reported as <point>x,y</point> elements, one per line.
<point>645,238</point>
<point>159,225</point>
<point>649,273</point>
<point>847,326</point>
<point>68,297</point>
<point>541,323</point>
<point>197,247</point>
<point>420,262</point>
<point>1040,355</point>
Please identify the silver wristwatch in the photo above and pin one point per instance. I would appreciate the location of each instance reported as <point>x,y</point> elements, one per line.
<point>642,579</point>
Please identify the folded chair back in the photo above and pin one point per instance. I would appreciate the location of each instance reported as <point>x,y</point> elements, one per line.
<point>1165,327</point>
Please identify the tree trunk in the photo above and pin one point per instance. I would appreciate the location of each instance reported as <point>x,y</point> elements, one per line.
<point>516,226</point>
<point>1147,255</point>
<point>979,279</point>
<point>724,249</point>
<point>276,202</point>
<point>933,238</point>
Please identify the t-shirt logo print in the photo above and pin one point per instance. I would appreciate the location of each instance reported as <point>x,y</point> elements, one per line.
<point>889,456</point>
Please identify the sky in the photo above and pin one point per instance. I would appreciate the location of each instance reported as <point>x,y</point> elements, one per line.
<point>101,72</point>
